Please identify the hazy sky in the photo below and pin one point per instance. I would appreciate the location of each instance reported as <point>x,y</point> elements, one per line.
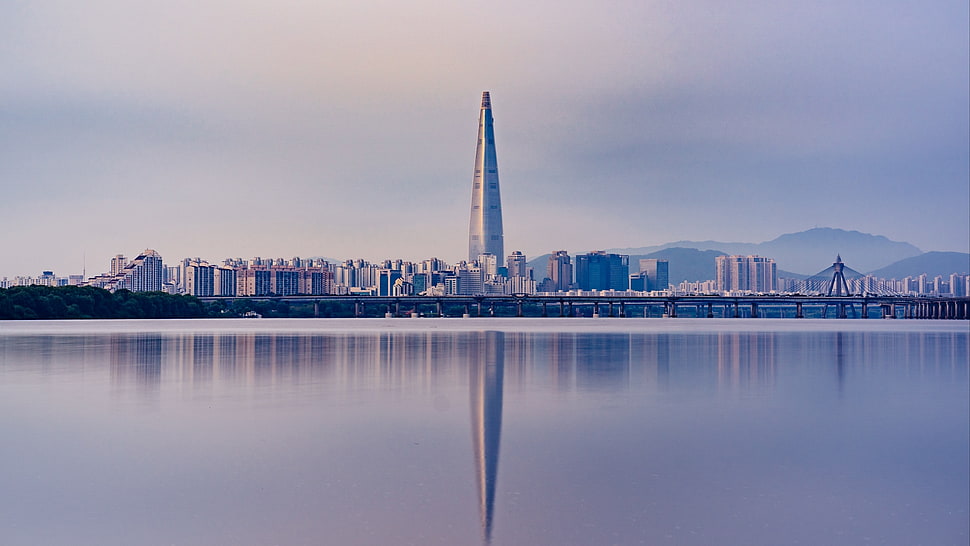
<point>347,129</point>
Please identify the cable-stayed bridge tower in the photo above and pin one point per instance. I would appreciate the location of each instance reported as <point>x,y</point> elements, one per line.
<point>485,225</point>
<point>841,280</point>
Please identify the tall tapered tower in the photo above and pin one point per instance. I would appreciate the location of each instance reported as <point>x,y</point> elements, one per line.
<point>485,226</point>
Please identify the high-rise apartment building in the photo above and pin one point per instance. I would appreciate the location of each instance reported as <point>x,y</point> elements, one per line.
<point>118,263</point>
<point>517,265</point>
<point>199,278</point>
<point>485,225</point>
<point>224,281</point>
<point>143,274</point>
<point>745,273</point>
<point>559,271</point>
<point>489,265</point>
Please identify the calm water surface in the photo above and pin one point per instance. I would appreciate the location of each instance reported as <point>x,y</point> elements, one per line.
<point>498,431</point>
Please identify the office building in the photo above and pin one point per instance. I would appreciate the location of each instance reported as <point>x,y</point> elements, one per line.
<point>485,225</point>
<point>386,280</point>
<point>559,271</point>
<point>657,273</point>
<point>602,271</point>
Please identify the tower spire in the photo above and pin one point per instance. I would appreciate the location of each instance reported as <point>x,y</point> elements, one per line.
<point>485,224</point>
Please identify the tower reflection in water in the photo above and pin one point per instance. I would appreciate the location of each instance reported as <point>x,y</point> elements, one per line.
<point>485,376</point>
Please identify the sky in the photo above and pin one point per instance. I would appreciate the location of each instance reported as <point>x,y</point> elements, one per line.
<point>348,129</point>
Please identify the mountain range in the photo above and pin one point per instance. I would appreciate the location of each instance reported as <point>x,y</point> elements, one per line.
<point>807,252</point>
<point>797,255</point>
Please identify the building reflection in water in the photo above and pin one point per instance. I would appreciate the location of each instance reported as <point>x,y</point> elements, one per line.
<point>486,367</point>
<point>284,366</point>
<point>746,361</point>
<point>420,360</point>
<point>136,359</point>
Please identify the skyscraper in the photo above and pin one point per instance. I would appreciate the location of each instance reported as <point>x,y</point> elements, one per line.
<point>602,271</point>
<point>559,271</point>
<point>657,273</point>
<point>485,226</point>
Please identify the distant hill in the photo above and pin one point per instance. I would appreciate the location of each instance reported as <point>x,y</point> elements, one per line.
<point>686,264</point>
<point>328,260</point>
<point>806,252</point>
<point>931,263</point>
<point>782,274</point>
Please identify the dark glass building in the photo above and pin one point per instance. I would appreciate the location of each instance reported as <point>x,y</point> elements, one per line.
<point>602,271</point>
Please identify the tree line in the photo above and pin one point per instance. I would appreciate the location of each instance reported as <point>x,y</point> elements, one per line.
<point>88,302</point>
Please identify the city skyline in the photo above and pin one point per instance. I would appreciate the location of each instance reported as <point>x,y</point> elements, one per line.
<point>596,272</point>
<point>279,131</point>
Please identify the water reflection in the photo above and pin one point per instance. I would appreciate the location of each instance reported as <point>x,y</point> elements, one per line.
<point>419,360</point>
<point>652,405</point>
<point>486,369</point>
<point>136,360</point>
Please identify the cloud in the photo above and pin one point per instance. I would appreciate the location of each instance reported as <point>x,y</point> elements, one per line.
<point>238,128</point>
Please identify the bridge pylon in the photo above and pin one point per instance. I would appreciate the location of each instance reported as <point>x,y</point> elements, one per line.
<point>838,284</point>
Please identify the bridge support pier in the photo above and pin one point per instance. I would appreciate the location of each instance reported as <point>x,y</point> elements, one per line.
<point>562,308</point>
<point>842,310</point>
<point>316,309</point>
<point>544,313</point>
<point>439,308</point>
<point>571,310</point>
<point>622,310</point>
<point>518,308</point>
<point>611,309</point>
<point>737,310</point>
<point>596,309</point>
<point>754,310</point>
<point>710,310</point>
<point>358,309</point>
<point>798,310</point>
<point>865,310</point>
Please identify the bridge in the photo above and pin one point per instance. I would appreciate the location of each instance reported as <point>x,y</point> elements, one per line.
<point>709,306</point>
